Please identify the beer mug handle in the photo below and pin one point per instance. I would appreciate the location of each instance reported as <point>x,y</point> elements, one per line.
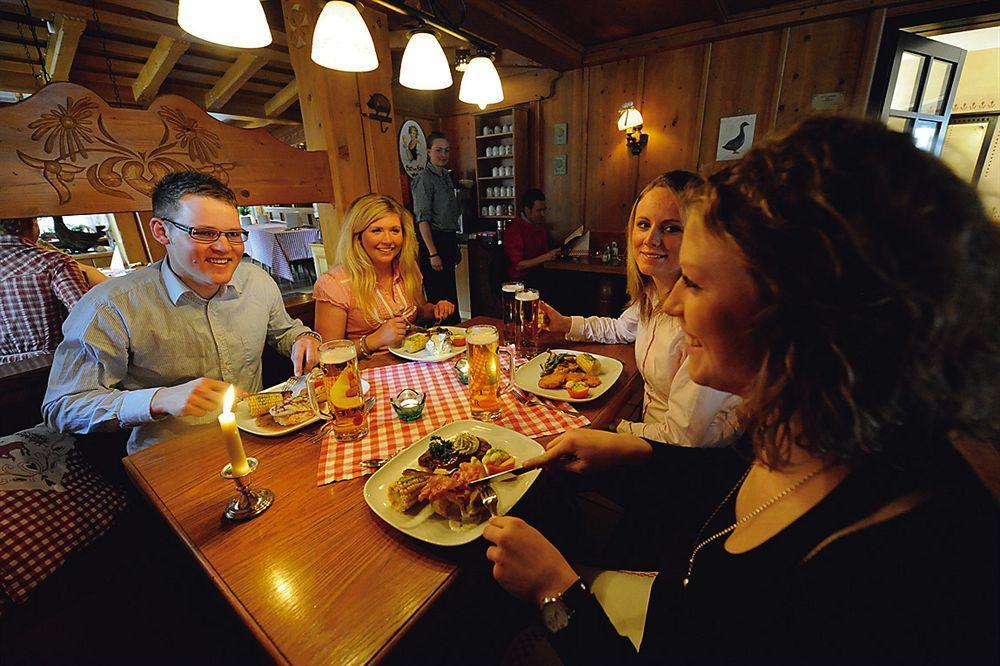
<point>311,377</point>
<point>511,359</point>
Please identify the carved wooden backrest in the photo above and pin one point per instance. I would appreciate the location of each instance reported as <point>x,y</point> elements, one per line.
<point>65,151</point>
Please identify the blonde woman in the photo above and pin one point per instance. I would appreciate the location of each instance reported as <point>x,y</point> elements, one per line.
<point>375,290</point>
<point>675,409</point>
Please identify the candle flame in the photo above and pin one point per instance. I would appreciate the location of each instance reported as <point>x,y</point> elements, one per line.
<point>227,401</point>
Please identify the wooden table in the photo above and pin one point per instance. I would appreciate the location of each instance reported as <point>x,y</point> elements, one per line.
<point>608,278</point>
<point>318,578</point>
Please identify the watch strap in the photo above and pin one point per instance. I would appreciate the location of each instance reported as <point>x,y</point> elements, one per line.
<point>575,596</point>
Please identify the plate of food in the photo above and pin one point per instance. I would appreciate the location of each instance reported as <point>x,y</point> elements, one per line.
<point>568,376</point>
<point>424,490</point>
<point>431,345</point>
<point>273,413</point>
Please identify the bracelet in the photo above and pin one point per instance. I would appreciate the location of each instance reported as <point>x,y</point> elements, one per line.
<point>363,347</point>
<point>310,334</point>
<point>433,255</point>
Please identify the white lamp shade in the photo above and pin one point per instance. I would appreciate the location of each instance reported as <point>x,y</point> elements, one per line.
<point>424,65</point>
<point>629,118</point>
<point>239,23</point>
<point>481,83</point>
<point>342,41</point>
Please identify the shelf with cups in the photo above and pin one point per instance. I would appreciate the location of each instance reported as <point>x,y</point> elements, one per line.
<point>502,151</point>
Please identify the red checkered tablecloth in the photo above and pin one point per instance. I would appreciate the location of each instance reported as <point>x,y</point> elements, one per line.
<point>447,401</point>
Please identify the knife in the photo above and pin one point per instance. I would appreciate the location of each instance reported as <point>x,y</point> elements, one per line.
<point>502,476</point>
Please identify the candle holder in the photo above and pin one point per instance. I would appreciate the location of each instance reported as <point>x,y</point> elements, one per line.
<point>249,503</point>
<point>462,370</point>
<point>409,404</point>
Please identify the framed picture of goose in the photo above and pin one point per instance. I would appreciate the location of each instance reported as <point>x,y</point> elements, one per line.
<point>735,136</point>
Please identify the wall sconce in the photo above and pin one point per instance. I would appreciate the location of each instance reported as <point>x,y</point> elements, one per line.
<point>630,122</point>
<point>381,108</point>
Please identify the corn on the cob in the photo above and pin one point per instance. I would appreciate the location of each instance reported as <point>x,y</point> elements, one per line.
<point>259,403</point>
<point>404,491</point>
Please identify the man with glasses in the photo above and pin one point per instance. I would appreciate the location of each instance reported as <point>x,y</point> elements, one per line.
<point>155,350</point>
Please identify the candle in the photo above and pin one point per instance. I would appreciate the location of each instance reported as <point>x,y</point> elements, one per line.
<point>234,445</point>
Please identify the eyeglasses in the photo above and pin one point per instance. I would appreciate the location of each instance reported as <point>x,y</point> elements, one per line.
<point>203,235</point>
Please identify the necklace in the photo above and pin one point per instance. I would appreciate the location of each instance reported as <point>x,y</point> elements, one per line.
<point>756,512</point>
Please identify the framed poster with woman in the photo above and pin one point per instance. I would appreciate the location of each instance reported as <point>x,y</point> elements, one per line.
<point>412,148</point>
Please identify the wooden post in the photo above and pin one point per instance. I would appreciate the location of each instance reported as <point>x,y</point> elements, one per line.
<point>361,157</point>
<point>62,45</point>
<point>133,241</point>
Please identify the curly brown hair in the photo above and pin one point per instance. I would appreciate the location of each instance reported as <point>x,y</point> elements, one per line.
<point>879,272</point>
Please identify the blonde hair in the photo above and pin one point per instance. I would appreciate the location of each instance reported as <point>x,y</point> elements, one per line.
<point>640,287</point>
<point>351,253</point>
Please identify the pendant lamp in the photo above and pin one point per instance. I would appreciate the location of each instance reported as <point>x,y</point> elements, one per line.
<point>342,40</point>
<point>481,83</point>
<point>239,23</point>
<point>424,65</point>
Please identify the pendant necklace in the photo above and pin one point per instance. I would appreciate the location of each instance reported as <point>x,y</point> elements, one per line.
<point>784,493</point>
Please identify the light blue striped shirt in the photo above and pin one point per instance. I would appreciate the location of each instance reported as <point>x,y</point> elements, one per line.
<point>129,336</point>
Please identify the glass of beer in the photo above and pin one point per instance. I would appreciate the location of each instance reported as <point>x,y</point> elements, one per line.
<point>345,404</point>
<point>507,292</point>
<point>483,346</point>
<point>527,321</point>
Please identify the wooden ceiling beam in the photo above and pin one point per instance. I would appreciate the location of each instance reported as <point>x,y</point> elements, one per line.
<point>282,100</point>
<point>512,26</point>
<point>144,26</point>
<point>256,120</point>
<point>741,24</point>
<point>96,65</point>
<point>239,73</point>
<point>62,45</point>
<point>164,56</point>
<point>17,81</point>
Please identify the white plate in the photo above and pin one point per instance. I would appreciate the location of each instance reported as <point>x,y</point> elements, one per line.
<point>526,377</point>
<point>423,356</point>
<point>247,423</point>
<point>435,529</point>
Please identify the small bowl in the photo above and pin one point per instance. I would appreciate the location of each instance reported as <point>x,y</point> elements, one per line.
<point>409,404</point>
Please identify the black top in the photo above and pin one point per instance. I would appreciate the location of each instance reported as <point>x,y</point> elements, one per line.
<point>917,588</point>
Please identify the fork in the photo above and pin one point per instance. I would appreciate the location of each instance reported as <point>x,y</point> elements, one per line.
<point>488,496</point>
<point>533,400</point>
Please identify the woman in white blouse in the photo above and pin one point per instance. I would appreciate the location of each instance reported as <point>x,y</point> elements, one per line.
<point>675,409</point>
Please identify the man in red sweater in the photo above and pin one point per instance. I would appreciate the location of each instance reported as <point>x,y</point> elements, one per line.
<point>526,241</point>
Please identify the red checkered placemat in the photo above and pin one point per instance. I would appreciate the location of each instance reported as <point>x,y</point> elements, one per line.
<point>447,401</point>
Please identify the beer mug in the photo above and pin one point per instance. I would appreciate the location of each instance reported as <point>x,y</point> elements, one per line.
<point>507,304</point>
<point>346,405</point>
<point>526,321</point>
<point>483,346</point>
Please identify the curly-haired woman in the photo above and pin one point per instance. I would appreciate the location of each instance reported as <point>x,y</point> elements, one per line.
<point>846,285</point>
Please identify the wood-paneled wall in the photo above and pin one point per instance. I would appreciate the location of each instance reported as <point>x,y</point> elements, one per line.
<point>682,94</point>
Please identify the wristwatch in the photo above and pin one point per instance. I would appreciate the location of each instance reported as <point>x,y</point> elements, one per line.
<point>557,611</point>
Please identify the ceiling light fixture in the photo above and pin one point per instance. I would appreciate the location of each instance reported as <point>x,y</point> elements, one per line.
<point>424,65</point>
<point>238,23</point>
<point>481,83</point>
<point>462,57</point>
<point>342,40</point>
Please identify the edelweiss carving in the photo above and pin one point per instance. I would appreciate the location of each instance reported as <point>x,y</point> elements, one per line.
<point>69,133</point>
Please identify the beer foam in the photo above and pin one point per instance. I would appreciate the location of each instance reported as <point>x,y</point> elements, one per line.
<point>512,288</point>
<point>526,296</point>
<point>336,355</point>
<point>481,337</point>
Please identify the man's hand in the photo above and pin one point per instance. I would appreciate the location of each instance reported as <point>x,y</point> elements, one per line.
<point>552,255</point>
<point>305,354</point>
<point>194,398</point>
<point>388,333</point>
<point>436,263</point>
<point>583,450</point>
<point>525,563</point>
<point>443,309</point>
